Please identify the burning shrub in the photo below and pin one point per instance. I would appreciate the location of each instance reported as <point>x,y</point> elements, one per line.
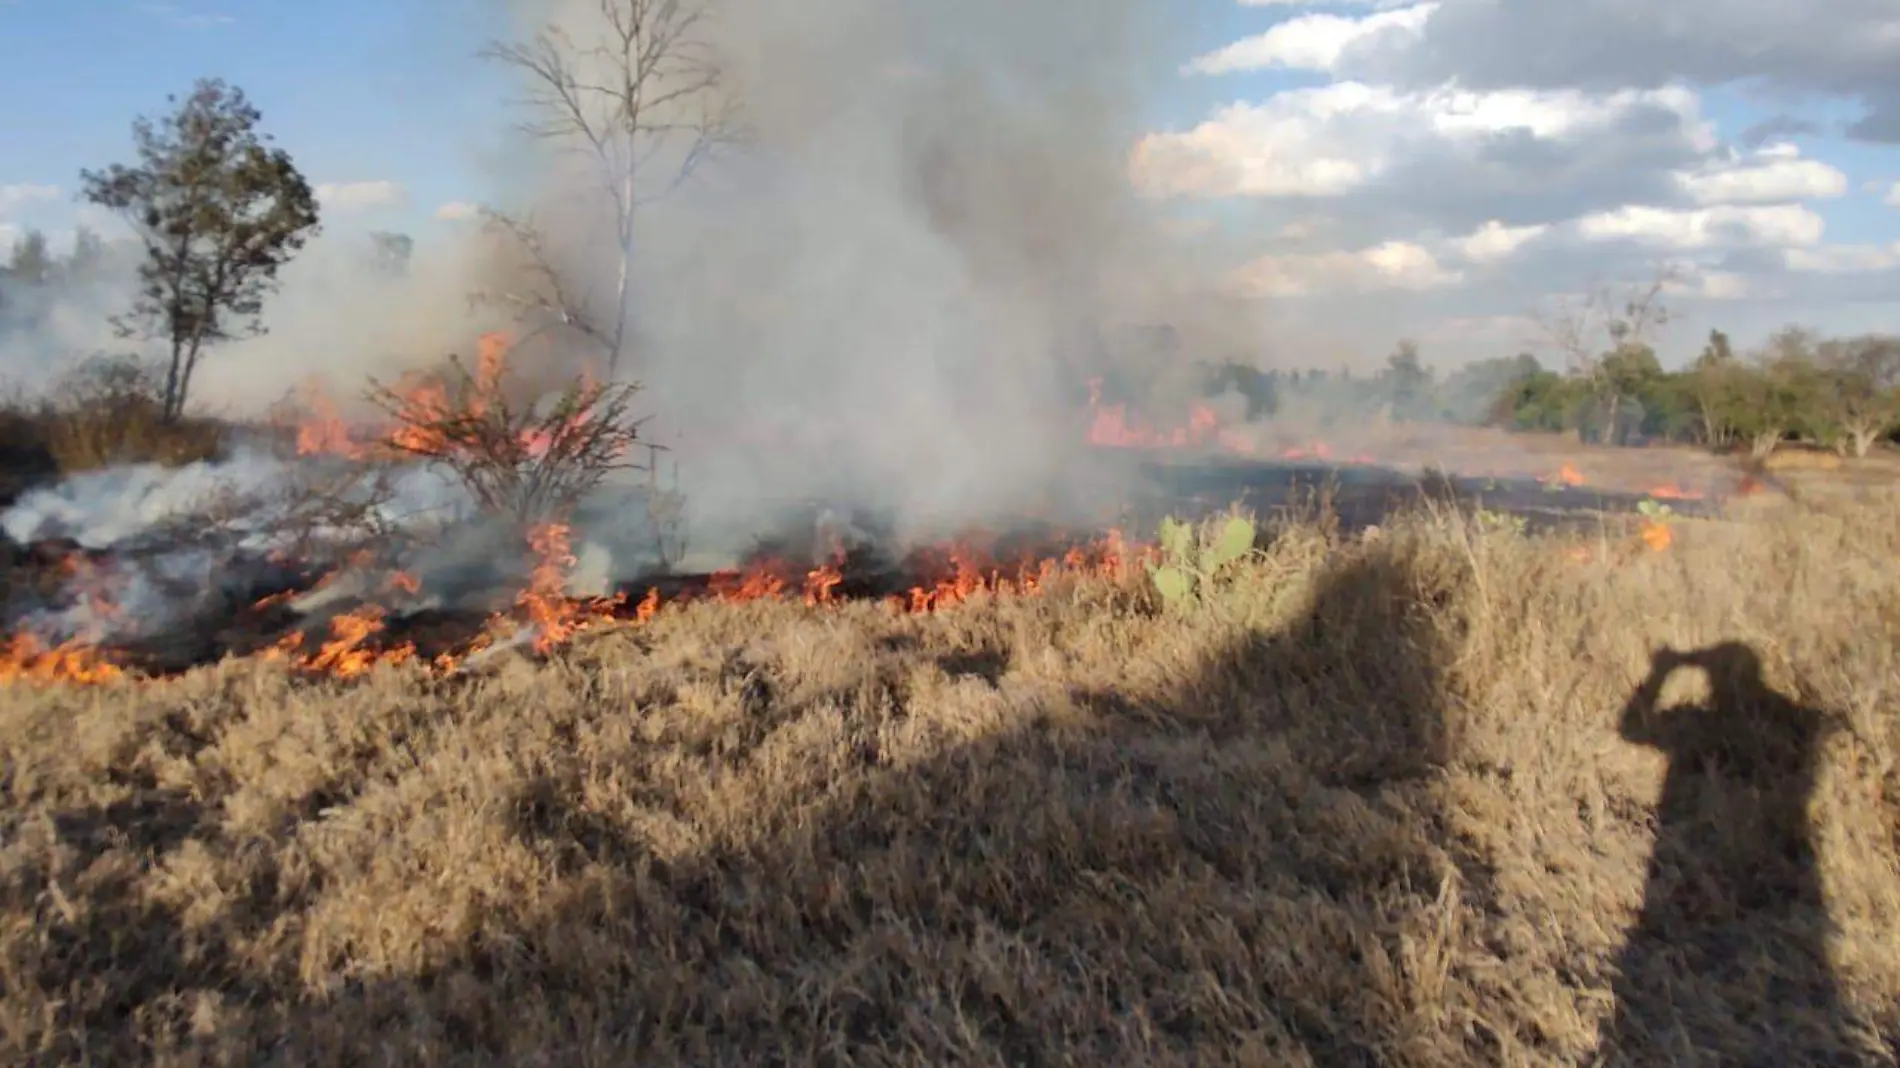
<point>532,464</point>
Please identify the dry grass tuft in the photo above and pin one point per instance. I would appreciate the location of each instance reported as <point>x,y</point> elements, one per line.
<point>103,413</point>
<point>1394,802</point>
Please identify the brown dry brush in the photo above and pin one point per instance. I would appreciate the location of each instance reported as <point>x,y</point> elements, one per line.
<point>1437,798</point>
<point>529,463</point>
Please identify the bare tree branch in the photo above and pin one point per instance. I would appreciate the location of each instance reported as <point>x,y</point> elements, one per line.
<point>649,85</point>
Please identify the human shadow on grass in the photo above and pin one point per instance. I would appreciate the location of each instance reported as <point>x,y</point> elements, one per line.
<point>1241,866</point>
<point>1727,963</point>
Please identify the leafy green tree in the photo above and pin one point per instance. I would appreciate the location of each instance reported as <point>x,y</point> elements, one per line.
<point>87,257</point>
<point>219,211</point>
<point>30,263</point>
<point>1546,401</point>
<point>391,252</point>
<point>1770,398</point>
<point>1859,390</point>
<point>1624,376</point>
<point>1707,385</point>
<point>1480,392</point>
<point>1406,384</point>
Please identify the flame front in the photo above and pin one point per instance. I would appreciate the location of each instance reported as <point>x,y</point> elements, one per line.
<point>24,658</point>
<point>1111,428</point>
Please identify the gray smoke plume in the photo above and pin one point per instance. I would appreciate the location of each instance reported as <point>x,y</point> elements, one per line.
<point>893,294</point>
<point>890,297</point>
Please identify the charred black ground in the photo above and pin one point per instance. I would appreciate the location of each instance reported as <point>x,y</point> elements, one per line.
<point>244,603</point>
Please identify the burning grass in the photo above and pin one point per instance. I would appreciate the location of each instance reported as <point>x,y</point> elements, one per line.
<point>1417,800</point>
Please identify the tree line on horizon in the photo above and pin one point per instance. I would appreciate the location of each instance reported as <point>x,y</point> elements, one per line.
<point>1839,393</point>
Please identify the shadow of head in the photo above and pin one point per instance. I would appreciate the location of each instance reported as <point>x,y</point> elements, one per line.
<point>1745,725</point>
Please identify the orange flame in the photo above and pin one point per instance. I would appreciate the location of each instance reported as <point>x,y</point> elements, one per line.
<point>356,641</point>
<point>556,617</point>
<point>1111,428</point>
<point>345,655</point>
<point>1567,475</point>
<point>24,659</point>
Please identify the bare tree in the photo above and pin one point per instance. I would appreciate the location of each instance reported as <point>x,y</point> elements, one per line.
<point>1599,332</point>
<point>637,91</point>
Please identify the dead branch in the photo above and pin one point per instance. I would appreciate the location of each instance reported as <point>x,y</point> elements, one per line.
<point>649,84</point>
<point>530,464</point>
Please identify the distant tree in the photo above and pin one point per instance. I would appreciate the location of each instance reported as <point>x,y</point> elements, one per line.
<point>1769,398</point>
<point>1626,378</point>
<point>30,263</point>
<point>1597,335</point>
<point>392,252</point>
<point>1259,388</point>
<point>1406,384</point>
<point>1486,392</point>
<point>1860,390</point>
<point>87,256</point>
<point>1709,386</point>
<point>1544,401</point>
<point>218,211</point>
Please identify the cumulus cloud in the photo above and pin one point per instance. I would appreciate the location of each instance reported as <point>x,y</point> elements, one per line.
<point>360,196</point>
<point>1850,50</point>
<point>1445,159</point>
<point>1393,265</point>
<point>15,197</point>
<point>1494,241</point>
<point>457,210</point>
<point>1778,225</point>
<point>1844,259</point>
<point>1465,159</point>
<point>1775,174</point>
<point>1313,42</point>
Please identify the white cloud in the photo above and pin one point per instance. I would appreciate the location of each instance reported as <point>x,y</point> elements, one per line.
<point>457,210</point>
<point>15,197</point>
<point>1843,259</point>
<point>1728,226</point>
<point>358,196</point>
<point>1394,265</point>
<point>1847,49</point>
<point>1776,174</point>
<point>1461,160</point>
<point>1693,280</point>
<point>1332,139</point>
<point>1312,42</point>
<point>1494,241</point>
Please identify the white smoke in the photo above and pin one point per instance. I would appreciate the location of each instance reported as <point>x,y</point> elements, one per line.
<point>888,297</point>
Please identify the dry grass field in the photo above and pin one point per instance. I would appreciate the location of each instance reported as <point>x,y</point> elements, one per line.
<point>1436,798</point>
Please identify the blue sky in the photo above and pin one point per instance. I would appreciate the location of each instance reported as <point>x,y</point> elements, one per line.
<point>358,90</point>
<point>362,90</point>
<point>366,91</point>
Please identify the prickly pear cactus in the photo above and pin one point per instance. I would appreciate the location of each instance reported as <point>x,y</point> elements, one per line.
<point>1189,564</point>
